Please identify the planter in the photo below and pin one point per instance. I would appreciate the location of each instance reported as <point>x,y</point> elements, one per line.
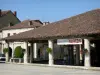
<point>7,56</point>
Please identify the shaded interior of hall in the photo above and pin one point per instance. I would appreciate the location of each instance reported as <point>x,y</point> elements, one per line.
<point>95,53</point>
<point>70,55</point>
<point>67,56</point>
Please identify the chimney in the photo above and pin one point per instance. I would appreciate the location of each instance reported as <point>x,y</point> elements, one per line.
<point>0,12</point>
<point>45,23</point>
<point>30,23</point>
<point>10,24</point>
<point>15,13</point>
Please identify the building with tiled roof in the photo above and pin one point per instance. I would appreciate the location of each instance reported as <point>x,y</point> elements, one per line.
<point>86,24</point>
<point>71,41</point>
<point>7,17</point>
<point>23,26</point>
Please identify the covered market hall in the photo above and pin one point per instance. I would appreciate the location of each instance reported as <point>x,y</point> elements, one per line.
<point>72,41</point>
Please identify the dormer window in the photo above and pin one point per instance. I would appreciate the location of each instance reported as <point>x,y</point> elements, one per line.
<point>10,24</point>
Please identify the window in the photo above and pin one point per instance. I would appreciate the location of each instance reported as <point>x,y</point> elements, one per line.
<point>14,33</point>
<point>8,34</point>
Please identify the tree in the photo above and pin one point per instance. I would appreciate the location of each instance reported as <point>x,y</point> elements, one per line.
<point>18,53</point>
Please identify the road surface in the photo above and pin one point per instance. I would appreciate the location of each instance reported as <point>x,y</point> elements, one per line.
<point>15,69</point>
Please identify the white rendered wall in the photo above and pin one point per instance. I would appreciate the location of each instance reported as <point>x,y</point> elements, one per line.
<point>11,31</point>
<point>0,34</point>
<point>13,45</point>
<point>0,42</point>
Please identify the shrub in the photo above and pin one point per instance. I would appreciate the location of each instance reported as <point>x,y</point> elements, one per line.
<point>49,50</point>
<point>5,50</point>
<point>18,53</point>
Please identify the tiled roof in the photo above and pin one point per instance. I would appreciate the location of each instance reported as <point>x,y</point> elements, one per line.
<point>4,12</point>
<point>25,24</point>
<point>7,17</point>
<point>83,24</point>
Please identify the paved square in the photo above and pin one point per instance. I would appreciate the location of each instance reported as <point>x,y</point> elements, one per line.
<point>14,69</point>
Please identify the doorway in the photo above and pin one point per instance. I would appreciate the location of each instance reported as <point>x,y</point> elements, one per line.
<point>10,52</point>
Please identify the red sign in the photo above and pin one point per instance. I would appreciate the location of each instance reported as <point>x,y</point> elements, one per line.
<point>69,41</point>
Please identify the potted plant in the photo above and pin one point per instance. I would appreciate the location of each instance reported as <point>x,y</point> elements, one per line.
<point>5,50</point>
<point>85,51</point>
<point>49,50</point>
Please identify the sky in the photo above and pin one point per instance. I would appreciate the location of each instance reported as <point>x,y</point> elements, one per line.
<point>48,10</point>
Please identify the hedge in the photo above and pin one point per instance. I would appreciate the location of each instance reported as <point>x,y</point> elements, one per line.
<point>18,53</point>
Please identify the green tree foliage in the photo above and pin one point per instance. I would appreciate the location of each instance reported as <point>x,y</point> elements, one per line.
<point>18,53</point>
<point>5,50</point>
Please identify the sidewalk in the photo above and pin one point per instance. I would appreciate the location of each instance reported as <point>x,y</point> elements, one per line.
<point>60,66</point>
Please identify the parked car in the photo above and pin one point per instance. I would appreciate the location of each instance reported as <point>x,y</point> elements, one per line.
<point>2,58</point>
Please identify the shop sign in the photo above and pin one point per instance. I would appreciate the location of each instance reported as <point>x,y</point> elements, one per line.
<point>69,41</point>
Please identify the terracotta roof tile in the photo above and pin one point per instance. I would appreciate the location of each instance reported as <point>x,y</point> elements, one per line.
<point>4,12</point>
<point>25,24</point>
<point>83,24</point>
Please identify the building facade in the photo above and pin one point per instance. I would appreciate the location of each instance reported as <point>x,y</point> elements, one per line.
<point>7,18</point>
<point>16,29</point>
<point>84,26</point>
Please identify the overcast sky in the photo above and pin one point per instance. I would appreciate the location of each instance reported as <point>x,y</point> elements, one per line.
<point>48,10</point>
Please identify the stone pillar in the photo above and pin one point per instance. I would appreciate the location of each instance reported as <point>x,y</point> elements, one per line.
<point>81,51</point>
<point>2,47</point>
<point>26,52</point>
<point>31,53</point>
<point>77,55</point>
<point>50,45</point>
<point>35,50</point>
<point>7,57</point>
<point>87,54</point>
<point>7,53</point>
<point>13,50</point>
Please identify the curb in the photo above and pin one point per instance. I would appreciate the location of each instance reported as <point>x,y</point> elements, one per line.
<point>60,66</point>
